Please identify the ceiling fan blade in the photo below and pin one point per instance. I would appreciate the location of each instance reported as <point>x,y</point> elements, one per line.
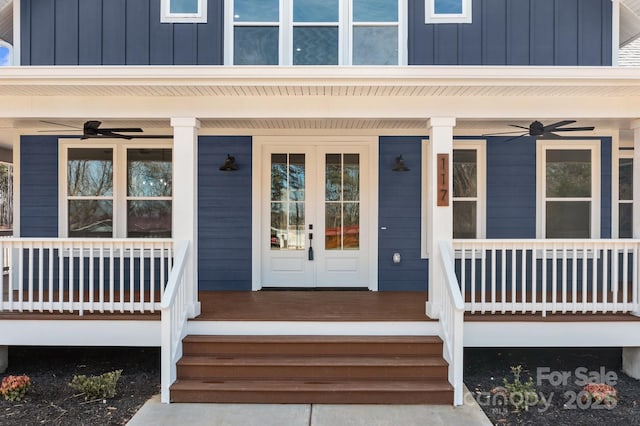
<point>575,129</point>
<point>151,137</point>
<point>58,124</point>
<point>121,129</point>
<point>506,133</point>
<point>108,134</point>
<point>519,127</point>
<point>554,126</point>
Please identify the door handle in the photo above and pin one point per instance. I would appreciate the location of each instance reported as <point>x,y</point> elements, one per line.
<point>310,243</point>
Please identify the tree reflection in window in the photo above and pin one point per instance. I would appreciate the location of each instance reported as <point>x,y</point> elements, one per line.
<point>90,192</point>
<point>287,202</point>
<point>149,191</point>
<point>342,202</point>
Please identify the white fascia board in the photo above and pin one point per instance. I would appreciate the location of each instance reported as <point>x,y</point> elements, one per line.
<point>221,75</point>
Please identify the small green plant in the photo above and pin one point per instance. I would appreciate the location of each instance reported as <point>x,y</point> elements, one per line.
<point>14,388</point>
<point>97,387</point>
<point>520,395</point>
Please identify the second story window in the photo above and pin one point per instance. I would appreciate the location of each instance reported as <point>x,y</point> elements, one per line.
<point>314,32</point>
<point>186,11</point>
<point>448,11</point>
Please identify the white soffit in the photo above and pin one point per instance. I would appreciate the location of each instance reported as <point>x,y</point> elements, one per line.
<point>6,20</point>
<point>629,21</point>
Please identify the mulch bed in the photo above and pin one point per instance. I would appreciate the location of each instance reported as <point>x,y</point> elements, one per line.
<point>51,401</point>
<point>486,368</point>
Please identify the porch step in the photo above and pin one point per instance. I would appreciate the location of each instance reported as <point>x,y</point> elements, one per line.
<point>312,369</point>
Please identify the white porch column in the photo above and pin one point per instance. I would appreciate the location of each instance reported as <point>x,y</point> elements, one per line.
<point>185,198</point>
<point>439,218</point>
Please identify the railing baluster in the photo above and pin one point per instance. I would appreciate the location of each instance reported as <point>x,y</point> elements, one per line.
<point>483,281</point>
<point>142,288</point>
<point>41,277</point>
<point>554,279</point>
<point>493,279</point>
<point>585,293</point>
<point>31,268</point>
<point>514,278</point>
<point>162,283</point>
<point>132,289</point>
<point>574,279</point>
<point>615,269</point>
<point>625,278</point>
<point>92,283</point>
<point>112,279</point>
<point>11,283</point>
<point>101,278</point>
<point>81,280</point>
<point>594,276</point>
<point>503,264</point>
<point>523,282</point>
<point>564,278</point>
<point>534,279</point>
<point>121,277</point>
<point>544,280</point>
<point>61,277</point>
<point>605,275</point>
<point>473,278</point>
<point>71,275</point>
<point>50,287</point>
<point>636,260</point>
<point>3,261</point>
<point>152,283</point>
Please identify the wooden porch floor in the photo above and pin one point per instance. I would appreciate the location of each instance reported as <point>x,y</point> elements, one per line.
<point>312,306</point>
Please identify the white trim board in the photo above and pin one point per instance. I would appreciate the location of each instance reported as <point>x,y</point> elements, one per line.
<point>82,332</point>
<point>314,328</point>
<point>551,334</point>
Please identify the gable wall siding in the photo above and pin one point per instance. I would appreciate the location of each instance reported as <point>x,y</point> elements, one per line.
<point>39,186</point>
<point>400,210</point>
<point>516,32</point>
<point>224,214</point>
<point>116,32</point>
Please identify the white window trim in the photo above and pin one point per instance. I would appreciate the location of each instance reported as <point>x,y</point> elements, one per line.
<point>541,149</point>
<point>11,56</point>
<point>480,147</point>
<point>119,180</point>
<point>345,33</point>
<point>615,215</point>
<point>431,17</point>
<point>167,17</point>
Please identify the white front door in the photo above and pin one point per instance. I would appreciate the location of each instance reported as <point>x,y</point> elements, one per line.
<point>315,216</point>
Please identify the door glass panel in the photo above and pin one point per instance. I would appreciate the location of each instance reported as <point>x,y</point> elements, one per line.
<point>287,202</point>
<point>342,206</point>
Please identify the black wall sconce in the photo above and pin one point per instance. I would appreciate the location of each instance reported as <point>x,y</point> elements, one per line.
<point>229,164</point>
<point>400,166</point>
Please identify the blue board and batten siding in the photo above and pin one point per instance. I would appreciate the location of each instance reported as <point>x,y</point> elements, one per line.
<point>116,32</point>
<point>503,32</point>
<point>516,32</point>
<point>224,214</point>
<point>39,186</point>
<point>399,216</point>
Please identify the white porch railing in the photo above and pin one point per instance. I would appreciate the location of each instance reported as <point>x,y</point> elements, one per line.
<point>174,320</point>
<point>452,323</point>
<point>80,275</point>
<point>557,276</point>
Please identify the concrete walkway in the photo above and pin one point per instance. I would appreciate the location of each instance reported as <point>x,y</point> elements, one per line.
<point>158,414</point>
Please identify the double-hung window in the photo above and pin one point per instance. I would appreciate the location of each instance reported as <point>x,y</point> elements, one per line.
<point>625,195</point>
<point>469,189</point>
<point>569,189</point>
<point>115,190</point>
<point>314,32</point>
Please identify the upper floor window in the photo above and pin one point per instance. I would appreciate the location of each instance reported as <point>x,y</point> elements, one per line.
<point>5,53</point>
<point>314,32</point>
<point>448,11</point>
<point>569,189</point>
<point>110,190</point>
<point>184,11</point>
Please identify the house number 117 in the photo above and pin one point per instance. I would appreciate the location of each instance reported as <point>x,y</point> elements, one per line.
<point>443,180</point>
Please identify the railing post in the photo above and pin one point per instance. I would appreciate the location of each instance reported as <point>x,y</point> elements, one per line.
<point>185,200</point>
<point>440,217</point>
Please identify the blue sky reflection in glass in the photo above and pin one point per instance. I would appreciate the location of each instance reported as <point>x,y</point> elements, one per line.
<point>315,11</point>
<point>5,56</point>
<point>375,10</point>
<point>447,7</point>
<point>256,11</point>
<point>184,6</point>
